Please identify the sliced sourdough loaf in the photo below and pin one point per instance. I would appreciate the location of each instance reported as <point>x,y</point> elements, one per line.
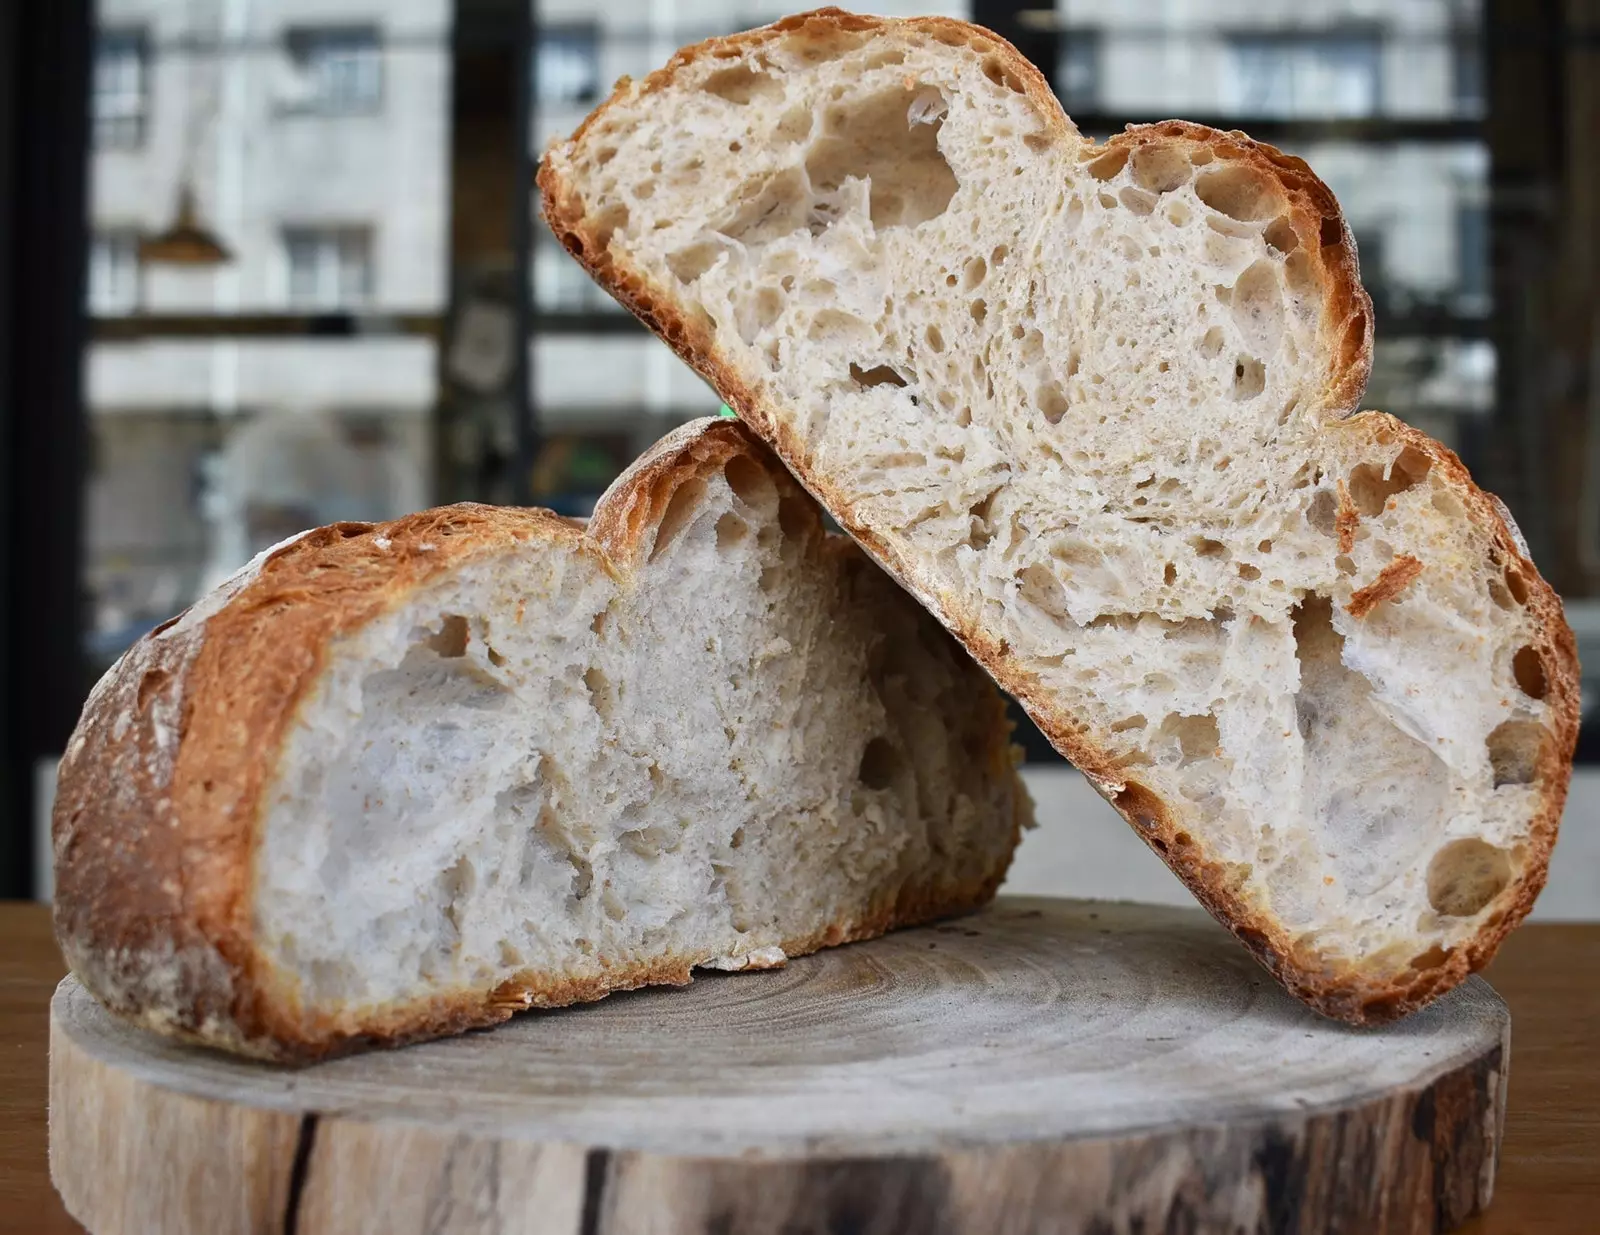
<point>1095,406</point>
<point>400,780</point>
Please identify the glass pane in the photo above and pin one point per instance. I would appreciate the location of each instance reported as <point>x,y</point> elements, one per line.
<point>1408,58</point>
<point>295,382</point>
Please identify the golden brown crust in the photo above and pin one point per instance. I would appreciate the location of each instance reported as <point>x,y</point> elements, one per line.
<point>158,806</point>
<point>1346,335</point>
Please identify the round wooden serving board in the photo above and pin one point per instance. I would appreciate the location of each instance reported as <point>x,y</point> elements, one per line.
<point>1044,1066</point>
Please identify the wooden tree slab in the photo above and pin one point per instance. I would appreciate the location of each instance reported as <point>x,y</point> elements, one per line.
<point>1045,1066</point>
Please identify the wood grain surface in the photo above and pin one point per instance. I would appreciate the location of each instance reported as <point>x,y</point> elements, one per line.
<point>1549,1179</point>
<point>1041,1066</point>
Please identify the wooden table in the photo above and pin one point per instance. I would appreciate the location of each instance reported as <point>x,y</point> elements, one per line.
<point>1549,1179</point>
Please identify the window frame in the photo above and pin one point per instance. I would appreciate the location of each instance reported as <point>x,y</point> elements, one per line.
<point>126,130</point>
<point>1288,42</point>
<point>331,243</point>
<point>571,34</point>
<point>106,239</point>
<point>305,43</point>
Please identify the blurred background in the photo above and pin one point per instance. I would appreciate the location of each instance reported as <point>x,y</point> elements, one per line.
<point>266,264</point>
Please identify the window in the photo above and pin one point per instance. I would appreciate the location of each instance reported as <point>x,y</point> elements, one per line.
<point>1467,71</point>
<point>121,88</point>
<point>1472,255</point>
<point>338,71</point>
<point>1333,76</point>
<point>568,66</point>
<point>329,267</point>
<point>114,272</point>
<point>1370,243</point>
<point>1078,70</point>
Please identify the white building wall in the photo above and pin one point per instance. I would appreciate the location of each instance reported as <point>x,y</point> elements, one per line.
<point>257,164</point>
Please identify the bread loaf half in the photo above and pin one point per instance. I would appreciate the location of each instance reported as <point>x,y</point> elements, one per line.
<point>1095,406</point>
<point>400,780</point>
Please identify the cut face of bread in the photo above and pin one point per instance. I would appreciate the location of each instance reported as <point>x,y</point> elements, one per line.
<point>403,779</point>
<point>1093,406</point>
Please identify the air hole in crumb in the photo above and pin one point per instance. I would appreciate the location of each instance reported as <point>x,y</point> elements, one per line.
<point>1107,202</point>
<point>1137,201</point>
<point>975,272</point>
<point>451,639</point>
<point>1198,736</point>
<point>1160,169</point>
<point>1200,156</point>
<point>1322,512</point>
<point>1517,586</point>
<point>612,219</point>
<point>879,763</point>
<point>1109,164</point>
<point>995,70</point>
<point>872,140</point>
<point>1211,344</point>
<point>688,264</point>
<point>1344,565</point>
<point>1264,547</point>
<point>878,375</point>
<point>1248,572</point>
<point>979,310</point>
<point>731,530</point>
<point>1331,231</point>
<point>1514,748</point>
<point>1238,191</point>
<point>794,125</point>
<point>998,255</point>
<point>680,509</point>
<point>979,530</point>
<point>1371,491</point>
<point>1465,876</point>
<point>1433,958</point>
<point>741,84</point>
<point>749,481</point>
<point>1257,307</point>
<point>794,516</point>
<point>1206,547</point>
<point>1280,234</point>
<point>601,696</point>
<point>1170,574</point>
<point>1528,668</point>
<point>1249,378</point>
<point>934,339</point>
<point>496,659</point>
<point>1052,402</point>
<point>1136,721</point>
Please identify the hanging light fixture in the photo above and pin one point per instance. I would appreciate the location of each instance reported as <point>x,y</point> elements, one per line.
<point>188,242</point>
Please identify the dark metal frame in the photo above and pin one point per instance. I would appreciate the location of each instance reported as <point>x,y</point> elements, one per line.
<point>44,140</point>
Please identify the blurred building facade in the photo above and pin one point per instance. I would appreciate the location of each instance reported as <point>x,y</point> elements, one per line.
<point>312,139</point>
<point>358,316</point>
